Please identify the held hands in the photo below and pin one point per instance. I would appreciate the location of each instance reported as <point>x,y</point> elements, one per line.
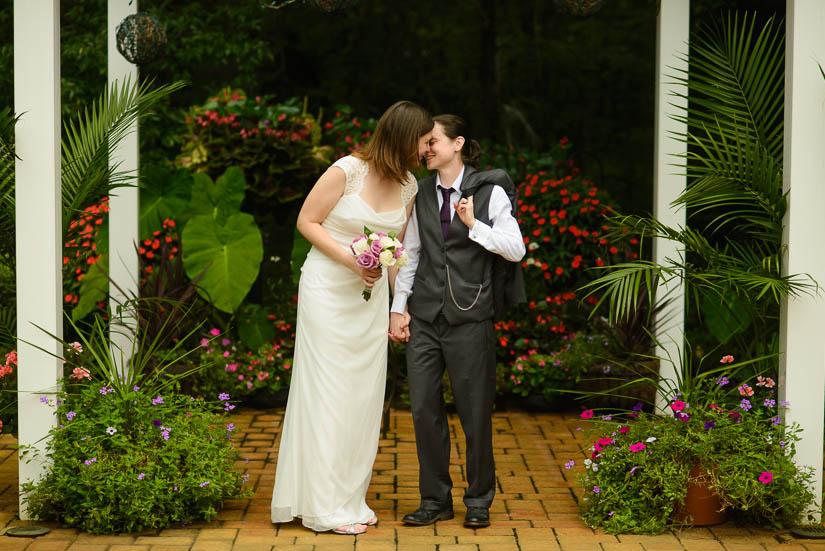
<point>464,210</point>
<point>399,327</point>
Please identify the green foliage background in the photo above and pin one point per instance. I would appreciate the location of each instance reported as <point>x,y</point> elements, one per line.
<point>521,72</point>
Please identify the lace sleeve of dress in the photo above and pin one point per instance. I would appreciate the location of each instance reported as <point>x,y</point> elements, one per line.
<point>348,165</point>
<point>409,189</point>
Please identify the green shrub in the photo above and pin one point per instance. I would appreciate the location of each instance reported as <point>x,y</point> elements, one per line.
<point>126,463</point>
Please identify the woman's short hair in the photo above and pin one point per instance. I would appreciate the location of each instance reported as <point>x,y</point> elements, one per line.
<point>454,126</point>
<point>393,148</point>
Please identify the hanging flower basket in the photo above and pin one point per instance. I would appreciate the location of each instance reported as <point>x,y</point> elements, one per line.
<point>140,38</point>
<point>579,8</point>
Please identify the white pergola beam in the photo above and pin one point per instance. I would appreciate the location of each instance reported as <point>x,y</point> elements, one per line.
<point>672,38</point>
<point>802,321</point>
<point>38,223</point>
<point>123,202</point>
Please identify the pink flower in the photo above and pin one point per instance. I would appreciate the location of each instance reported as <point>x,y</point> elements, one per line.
<point>367,260</point>
<point>624,430</point>
<point>376,247</point>
<point>745,390</point>
<point>231,367</point>
<point>678,405</point>
<point>765,381</point>
<point>226,353</point>
<point>287,366</point>
<point>586,414</point>
<point>214,331</point>
<point>204,342</point>
<point>726,359</point>
<point>81,373</point>
<point>637,447</point>
<point>76,346</point>
<point>766,477</point>
<point>11,357</point>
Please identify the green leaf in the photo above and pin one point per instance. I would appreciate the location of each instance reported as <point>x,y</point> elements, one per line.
<point>254,326</point>
<point>232,251</point>
<point>725,316</point>
<point>163,194</point>
<point>94,287</point>
<point>221,198</point>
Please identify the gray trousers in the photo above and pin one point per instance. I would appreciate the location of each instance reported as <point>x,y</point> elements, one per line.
<point>468,352</point>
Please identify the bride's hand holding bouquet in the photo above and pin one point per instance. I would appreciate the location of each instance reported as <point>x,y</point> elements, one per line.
<point>374,251</point>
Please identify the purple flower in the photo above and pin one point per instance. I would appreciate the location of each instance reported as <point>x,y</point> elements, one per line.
<point>569,465</point>
<point>611,513</point>
<point>202,484</point>
<point>776,421</point>
<point>157,422</point>
<point>607,418</point>
<point>90,461</point>
<point>135,388</point>
<point>596,489</point>
<point>638,406</point>
<point>223,396</point>
<point>44,400</point>
<point>158,400</point>
<point>367,260</point>
<point>745,404</point>
<point>769,402</point>
<point>141,475</point>
<point>722,381</point>
<point>230,427</point>
<point>784,404</point>
<point>165,433</point>
<point>633,470</point>
<point>709,425</point>
<point>71,415</point>
<point>376,247</point>
<point>229,407</point>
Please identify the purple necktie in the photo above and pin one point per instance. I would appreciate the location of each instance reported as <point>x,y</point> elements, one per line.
<point>445,211</point>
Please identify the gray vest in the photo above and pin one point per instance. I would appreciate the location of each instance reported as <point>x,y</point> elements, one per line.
<point>454,275</point>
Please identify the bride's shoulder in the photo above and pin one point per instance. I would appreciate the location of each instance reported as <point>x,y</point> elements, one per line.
<point>409,188</point>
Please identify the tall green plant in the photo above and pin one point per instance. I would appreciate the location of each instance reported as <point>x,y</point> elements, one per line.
<point>732,248</point>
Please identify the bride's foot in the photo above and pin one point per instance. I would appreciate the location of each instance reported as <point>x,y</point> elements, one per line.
<point>372,522</point>
<point>351,529</point>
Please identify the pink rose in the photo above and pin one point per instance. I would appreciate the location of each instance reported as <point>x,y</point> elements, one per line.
<point>376,247</point>
<point>367,260</point>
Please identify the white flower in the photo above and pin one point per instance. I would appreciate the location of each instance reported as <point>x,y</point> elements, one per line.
<point>533,246</point>
<point>651,439</point>
<point>402,260</point>
<point>396,243</point>
<point>595,467</point>
<point>387,242</point>
<point>530,261</point>
<point>588,462</point>
<point>386,258</point>
<point>373,237</point>
<point>360,246</point>
<point>111,430</point>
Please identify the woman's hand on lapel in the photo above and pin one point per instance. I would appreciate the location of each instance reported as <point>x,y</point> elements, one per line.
<point>464,210</point>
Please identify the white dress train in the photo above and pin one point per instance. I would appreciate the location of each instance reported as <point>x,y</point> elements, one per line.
<point>332,421</point>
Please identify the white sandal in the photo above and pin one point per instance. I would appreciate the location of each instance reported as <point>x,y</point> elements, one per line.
<point>372,522</point>
<point>350,530</point>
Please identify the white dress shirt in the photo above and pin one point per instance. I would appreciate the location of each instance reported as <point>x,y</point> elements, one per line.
<point>503,237</point>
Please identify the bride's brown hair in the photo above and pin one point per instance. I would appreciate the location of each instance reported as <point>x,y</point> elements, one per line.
<point>393,148</point>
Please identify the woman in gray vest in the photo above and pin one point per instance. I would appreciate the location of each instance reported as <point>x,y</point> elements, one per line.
<point>443,305</point>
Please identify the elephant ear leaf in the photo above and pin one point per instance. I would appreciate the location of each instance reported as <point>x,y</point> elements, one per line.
<point>94,287</point>
<point>231,252</point>
<point>163,194</point>
<point>254,326</point>
<point>725,316</point>
<point>221,198</point>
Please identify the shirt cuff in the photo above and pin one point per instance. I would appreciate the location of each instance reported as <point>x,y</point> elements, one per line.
<point>399,303</point>
<point>480,231</point>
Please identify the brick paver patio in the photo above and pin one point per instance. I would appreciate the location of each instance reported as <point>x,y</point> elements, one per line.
<point>535,509</point>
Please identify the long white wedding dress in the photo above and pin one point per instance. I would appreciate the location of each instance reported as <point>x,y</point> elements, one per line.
<point>333,416</point>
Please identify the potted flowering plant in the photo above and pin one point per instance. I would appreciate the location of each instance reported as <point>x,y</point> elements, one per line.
<point>730,437</point>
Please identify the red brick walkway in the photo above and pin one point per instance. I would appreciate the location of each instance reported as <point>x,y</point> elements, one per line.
<point>535,509</point>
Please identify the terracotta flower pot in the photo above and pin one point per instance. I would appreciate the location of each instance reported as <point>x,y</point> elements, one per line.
<point>701,502</point>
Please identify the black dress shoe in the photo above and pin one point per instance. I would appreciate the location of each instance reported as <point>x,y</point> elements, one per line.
<point>477,517</point>
<point>423,517</point>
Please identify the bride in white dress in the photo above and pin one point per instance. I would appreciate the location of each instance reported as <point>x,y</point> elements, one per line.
<point>333,416</point>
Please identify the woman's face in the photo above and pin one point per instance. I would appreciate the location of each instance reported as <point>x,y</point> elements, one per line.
<point>442,150</point>
<point>424,145</point>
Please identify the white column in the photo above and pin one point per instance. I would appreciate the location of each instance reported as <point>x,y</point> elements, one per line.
<point>123,202</point>
<point>38,222</point>
<point>802,321</point>
<point>672,37</point>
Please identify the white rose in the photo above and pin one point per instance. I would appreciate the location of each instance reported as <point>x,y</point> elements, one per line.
<point>360,246</point>
<point>386,242</point>
<point>373,237</point>
<point>533,246</point>
<point>386,259</point>
<point>396,243</point>
<point>402,260</point>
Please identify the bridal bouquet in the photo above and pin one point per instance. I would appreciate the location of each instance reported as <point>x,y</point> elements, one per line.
<point>377,249</point>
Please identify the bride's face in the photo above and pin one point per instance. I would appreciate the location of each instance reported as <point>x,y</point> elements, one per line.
<point>442,150</point>
<point>424,144</point>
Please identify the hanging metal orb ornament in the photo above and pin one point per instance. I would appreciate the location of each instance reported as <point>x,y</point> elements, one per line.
<point>140,37</point>
<point>579,8</point>
<point>331,6</point>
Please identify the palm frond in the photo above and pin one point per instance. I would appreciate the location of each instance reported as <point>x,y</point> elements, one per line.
<point>91,140</point>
